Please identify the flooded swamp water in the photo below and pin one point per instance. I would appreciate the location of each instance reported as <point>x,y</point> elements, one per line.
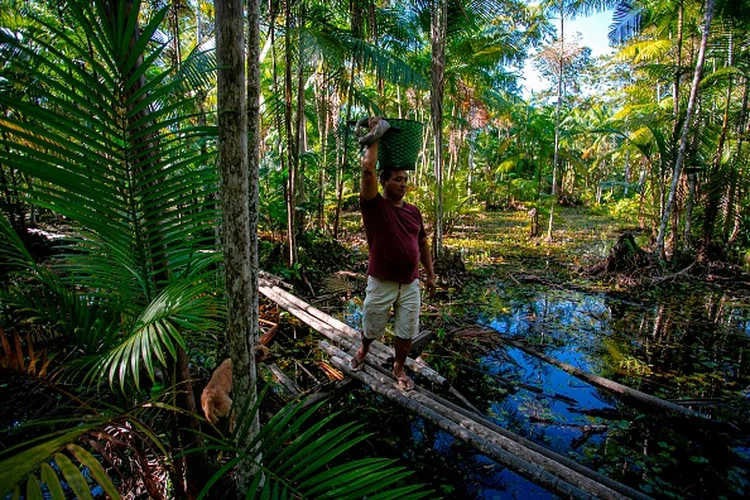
<point>690,349</point>
<point>685,343</point>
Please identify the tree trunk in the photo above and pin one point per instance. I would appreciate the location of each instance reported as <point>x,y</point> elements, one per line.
<point>291,154</point>
<point>321,104</point>
<point>174,16</point>
<point>551,219</point>
<point>235,193</point>
<point>708,16</point>
<point>437,71</point>
<point>342,165</point>
<point>470,177</point>
<point>253,154</point>
<point>300,128</point>
<point>716,179</point>
<point>556,160</point>
<point>689,203</point>
<point>678,69</point>
<point>733,217</point>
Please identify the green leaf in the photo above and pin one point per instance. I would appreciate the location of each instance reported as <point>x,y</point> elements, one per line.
<point>17,467</point>
<point>73,476</point>
<point>96,469</point>
<point>49,476</point>
<point>33,490</point>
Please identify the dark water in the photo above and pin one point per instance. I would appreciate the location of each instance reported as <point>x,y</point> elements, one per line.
<point>683,347</point>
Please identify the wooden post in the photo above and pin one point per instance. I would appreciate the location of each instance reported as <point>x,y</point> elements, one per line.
<point>534,219</point>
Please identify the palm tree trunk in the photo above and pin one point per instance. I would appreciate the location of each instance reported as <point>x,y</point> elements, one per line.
<point>300,129</point>
<point>175,21</point>
<point>291,194</point>
<point>708,16</point>
<point>716,179</point>
<point>244,344</point>
<point>344,157</point>
<point>556,159</point>
<point>472,138</point>
<point>689,203</point>
<point>437,70</point>
<point>678,69</point>
<point>733,215</point>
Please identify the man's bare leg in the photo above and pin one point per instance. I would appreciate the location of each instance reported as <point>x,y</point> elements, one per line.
<point>358,361</point>
<point>402,348</point>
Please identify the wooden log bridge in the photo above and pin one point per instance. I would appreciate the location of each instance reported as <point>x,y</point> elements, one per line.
<point>558,474</point>
<point>338,331</point>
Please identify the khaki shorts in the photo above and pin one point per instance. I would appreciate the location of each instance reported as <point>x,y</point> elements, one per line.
<point>381,295</point>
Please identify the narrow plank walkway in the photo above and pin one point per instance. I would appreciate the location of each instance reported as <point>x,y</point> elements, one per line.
<point>558,474</point>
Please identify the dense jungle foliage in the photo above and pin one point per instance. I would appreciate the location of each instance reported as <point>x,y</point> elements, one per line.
<point>113,305</point>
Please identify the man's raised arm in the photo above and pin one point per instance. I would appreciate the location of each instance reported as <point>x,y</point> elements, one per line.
<point>377,126</point>
<point>368,186</point>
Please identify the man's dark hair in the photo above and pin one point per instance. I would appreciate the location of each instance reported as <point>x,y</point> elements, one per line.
<point>385,174</point>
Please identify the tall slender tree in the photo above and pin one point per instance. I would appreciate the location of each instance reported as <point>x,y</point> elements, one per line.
<point>235,193</point>
<point>681,152</point>
<point>439,28</point>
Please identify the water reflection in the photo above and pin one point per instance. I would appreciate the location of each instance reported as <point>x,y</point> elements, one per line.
<point>687,346</point>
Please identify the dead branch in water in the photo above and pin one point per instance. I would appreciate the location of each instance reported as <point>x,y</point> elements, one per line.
<point>619,389</point>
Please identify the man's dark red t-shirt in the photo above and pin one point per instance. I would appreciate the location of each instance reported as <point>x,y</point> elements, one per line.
<point>393,235</point>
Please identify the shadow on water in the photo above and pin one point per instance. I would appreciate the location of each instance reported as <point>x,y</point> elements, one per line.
<point>693,349</point>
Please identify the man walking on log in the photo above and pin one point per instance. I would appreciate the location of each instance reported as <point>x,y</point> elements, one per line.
<point>397,243</point>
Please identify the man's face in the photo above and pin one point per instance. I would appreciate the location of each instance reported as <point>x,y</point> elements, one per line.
<point>395,187</point>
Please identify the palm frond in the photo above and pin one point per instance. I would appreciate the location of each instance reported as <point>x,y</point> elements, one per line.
<point>113,169</point>
<point>111,149</point>
<point>16,466</point>
<point>179,308</point>
<point>384,65</point>
<point>721,76</point>
<point>301,459</point>
<point>74,456</point>
<point>626,21</point>
<point>645,51</point>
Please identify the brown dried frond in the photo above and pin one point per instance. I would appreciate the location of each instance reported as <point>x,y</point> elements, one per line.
<point>13,357</point>
<point>338,284</point>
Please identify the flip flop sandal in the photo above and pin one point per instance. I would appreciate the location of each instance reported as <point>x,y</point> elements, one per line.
<point>405,384</point>
<point>357,364</point>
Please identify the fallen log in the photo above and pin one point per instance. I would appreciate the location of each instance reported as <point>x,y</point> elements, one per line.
<point>532,465</point>
<point>567,462</point>
<point>287,383</point>
<point>615,387</point>
<point>419,342</point>
<point>329,390</point>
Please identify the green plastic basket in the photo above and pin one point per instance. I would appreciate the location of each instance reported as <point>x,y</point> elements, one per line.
<point>400,145</point>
